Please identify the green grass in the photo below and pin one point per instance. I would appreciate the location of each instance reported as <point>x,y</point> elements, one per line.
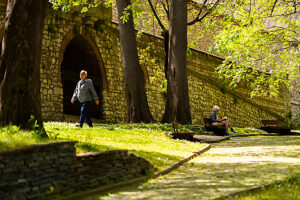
<point>244,131</point>
<point>146,140</point>
<point>286,189</point>
<point>11,137</point>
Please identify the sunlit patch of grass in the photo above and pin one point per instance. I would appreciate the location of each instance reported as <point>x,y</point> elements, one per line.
<point>286,189</point>
<point>244,131</point>
<point>146,140</point>
<point>12,136</point>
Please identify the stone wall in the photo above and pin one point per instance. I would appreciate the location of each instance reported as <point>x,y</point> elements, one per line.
<point>44,170</point>
<point>105,43</point>
<point>102,35</point>
<point>205,89</point>
<point>295,101</point>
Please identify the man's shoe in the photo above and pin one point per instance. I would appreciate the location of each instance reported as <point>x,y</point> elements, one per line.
<point>233,132</point>
<point>226,134</point>
<point>78,125</point>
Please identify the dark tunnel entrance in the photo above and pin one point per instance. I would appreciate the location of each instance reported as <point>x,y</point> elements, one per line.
<point>79,55</point>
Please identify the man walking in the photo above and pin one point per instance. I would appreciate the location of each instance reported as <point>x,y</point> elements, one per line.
<point>85,93</point>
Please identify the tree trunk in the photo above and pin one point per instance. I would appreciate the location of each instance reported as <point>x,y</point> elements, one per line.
<point>177,104</point>
<point>20,63</point>
<point>137,104</point>
<point>165,35</point>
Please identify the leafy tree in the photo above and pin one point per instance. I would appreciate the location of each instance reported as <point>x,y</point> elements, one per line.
<point>20,102</point>
<point>261,42</point>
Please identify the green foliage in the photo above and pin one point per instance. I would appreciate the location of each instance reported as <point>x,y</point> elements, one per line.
<point>223,88</point>
<point>261,44</point>
<point>13,136</point>
<point>235,100</point>
<point>88,26</point>
<point>11,129</point>
<point>76,29</point>
<point>52,28</point>
<point>163,87</point>
<point>67,5</point>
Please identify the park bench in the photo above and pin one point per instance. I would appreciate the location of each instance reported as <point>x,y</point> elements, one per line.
<point>217,129</point>
<point>275,126</point>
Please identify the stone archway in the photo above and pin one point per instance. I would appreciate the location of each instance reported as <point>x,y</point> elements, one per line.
<point>79,55</point>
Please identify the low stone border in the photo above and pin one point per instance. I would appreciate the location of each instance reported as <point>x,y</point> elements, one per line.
<point>108,188</point>
<point>179,163</point>
<point>240,192</point>
<point>210,138</point>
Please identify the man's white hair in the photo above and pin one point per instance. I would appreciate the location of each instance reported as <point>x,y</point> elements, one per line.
<point>83,72</point>
<point>216,108</point>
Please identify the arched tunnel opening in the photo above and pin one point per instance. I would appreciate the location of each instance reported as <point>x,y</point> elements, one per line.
<point>79,55</point>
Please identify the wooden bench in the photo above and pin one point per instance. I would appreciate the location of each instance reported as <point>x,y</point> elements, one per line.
<point>217,129</point>
<point>275,126</point>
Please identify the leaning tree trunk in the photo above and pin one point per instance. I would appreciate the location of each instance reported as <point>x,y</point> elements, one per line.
<point>20,63</point>
<point>137,104</point>
<point>177,104</point>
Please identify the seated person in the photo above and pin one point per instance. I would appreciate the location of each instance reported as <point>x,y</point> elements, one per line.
<point>217,122</point>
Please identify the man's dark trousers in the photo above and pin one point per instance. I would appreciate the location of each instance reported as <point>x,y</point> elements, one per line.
<point>84,114</point>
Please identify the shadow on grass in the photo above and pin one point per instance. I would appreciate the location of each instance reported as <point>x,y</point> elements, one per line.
<point>157,159</point>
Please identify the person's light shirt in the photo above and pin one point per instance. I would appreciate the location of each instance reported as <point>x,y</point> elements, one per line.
<point>85,91</point>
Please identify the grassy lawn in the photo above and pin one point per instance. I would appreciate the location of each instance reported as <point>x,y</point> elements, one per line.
<point>146,140</point>
<point>287,189</point>
<point>11,137</point>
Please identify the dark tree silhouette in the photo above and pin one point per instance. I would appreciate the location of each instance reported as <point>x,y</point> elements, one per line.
<point>20,63</point>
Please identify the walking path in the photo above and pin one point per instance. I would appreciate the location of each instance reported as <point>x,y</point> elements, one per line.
<point>227,167</point>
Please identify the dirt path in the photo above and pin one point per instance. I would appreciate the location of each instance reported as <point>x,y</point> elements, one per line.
<point>230,166</point>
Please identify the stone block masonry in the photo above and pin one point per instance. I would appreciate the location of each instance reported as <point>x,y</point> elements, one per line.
<point>101,37</point>
<point>44,170</point>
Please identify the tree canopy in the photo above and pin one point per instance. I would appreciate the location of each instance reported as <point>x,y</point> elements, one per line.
<point>261,42</point>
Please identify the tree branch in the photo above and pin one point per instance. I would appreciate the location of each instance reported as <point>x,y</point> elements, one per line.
<point>156,16</point>
<point>273,7</point>
<point>166,8</point>
<point>198,15</point>
<point>207,13</point>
